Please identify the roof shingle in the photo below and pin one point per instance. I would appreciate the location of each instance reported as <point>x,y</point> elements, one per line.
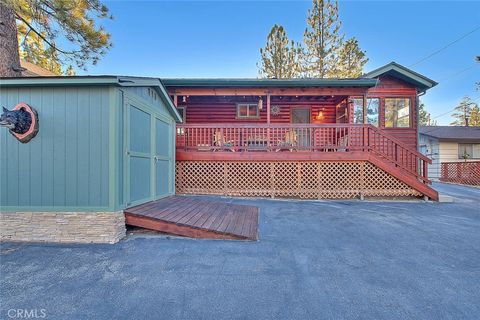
<point>452,132</point>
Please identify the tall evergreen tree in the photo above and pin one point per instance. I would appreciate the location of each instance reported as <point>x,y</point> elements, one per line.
<point>70,71</point>
<point>9,57</point>
<point>32,49</point>
<point>463,111</point>
<point>322,39</point>
<point>475,116</point>
<point>279,57</point>
<point>326,54</point>
<point>351,60</point>
<point>70,22</point>
<point>424,116</point>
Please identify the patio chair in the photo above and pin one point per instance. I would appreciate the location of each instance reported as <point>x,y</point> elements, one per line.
<point>220,142</point>
<point>289,142</point>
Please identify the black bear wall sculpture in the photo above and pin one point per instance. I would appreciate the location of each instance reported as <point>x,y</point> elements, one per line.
<point>18,121</point>
<point>22,122</point>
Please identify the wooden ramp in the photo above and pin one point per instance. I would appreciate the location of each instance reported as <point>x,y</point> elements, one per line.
<point>196,218</point>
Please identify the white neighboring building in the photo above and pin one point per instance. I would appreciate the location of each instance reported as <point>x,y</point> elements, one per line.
<point>448,144</point>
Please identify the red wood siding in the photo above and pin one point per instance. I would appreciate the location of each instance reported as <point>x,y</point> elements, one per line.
<point>395,88</point>
<point>227,113</point>
<point>224,111</point>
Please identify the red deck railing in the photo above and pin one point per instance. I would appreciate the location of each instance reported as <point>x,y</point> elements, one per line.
<point>302,138</point>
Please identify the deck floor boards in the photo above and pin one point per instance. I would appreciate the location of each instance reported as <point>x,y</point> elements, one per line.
<point>194,217</point>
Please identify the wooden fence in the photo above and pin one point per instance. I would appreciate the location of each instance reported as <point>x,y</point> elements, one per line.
<point>461,172</point>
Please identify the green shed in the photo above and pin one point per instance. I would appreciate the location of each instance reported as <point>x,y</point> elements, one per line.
<point>104,143</point>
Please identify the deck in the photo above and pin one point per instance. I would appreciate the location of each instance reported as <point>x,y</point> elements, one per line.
<point>196,218</point>
<point>313,161</point>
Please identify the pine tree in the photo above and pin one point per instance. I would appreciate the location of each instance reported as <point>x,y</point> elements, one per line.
<point>70,71</point>
<point>32,49</point>
<point>322,39</point>
<point>423,115</point>
<point>351,60</point>
<point>70,22</point>
<point>9,57</point>
<point>475,116</point>
<point>279,58</point>
<point>463,111</point>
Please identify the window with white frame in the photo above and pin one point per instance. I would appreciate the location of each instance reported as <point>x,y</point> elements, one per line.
<point>469,151</point>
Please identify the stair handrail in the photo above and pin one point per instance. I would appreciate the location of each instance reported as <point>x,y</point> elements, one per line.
<point>401,143</point>
<point>423,168</point>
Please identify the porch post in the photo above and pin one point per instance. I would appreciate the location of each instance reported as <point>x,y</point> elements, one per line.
<point>175,100</point>
<point>268,121</point>
<point>365,120</point>
<point>268,108</point>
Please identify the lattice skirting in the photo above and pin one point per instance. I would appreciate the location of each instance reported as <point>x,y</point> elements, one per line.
<point>306,180</point>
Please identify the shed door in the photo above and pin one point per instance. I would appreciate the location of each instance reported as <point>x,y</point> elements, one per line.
<point>163,158</point>
<point>139,162</point>
<point>149,164</point>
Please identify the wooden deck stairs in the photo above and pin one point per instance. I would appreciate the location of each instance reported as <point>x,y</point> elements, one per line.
<point>194,217</point>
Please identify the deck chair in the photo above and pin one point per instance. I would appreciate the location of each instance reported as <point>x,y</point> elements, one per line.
<point>289,142</point>
<point>220,142</point>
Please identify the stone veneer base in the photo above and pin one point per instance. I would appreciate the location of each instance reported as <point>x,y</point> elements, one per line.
<point>66,227</point>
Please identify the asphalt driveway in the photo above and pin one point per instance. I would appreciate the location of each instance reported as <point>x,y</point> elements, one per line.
<point>314,260</point>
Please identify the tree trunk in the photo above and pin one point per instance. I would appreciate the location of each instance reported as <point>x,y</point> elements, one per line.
<point>9,58</point>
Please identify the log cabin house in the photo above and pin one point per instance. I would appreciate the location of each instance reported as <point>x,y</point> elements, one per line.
<point>302,138</point>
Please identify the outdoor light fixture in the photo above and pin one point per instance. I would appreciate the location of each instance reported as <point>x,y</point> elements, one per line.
<point>184,99</point>
<point>320,114</point>
<point>260,104</point>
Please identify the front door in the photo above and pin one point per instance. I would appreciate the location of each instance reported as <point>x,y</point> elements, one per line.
<point>302,115</point>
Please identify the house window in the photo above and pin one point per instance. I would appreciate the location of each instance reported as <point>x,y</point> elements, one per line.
<point>373,105</point>
<point>397,112</point>
<point>245,111</point>
<point>358,110</point>
<point>469,151</point>
<point>183,112</point>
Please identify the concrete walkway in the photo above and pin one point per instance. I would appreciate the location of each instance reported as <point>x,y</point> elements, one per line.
<point>314,260</point>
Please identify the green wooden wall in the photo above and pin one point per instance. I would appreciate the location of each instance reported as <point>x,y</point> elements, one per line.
<point>66,164</point>
<point>77,161</point>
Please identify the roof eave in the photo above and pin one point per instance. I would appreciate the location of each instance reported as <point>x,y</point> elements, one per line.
<point>96,81</point>
<point>268,83</point>
<point>420,81</point>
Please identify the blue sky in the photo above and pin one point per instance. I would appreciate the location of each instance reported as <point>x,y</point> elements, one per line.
<point>222,39</point>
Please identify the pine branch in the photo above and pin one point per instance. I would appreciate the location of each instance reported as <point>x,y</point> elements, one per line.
<point>52,45</point>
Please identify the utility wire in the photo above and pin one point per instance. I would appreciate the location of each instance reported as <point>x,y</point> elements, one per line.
<point>457,73</point>
<point>446,46</point>
<point>441,115</point>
